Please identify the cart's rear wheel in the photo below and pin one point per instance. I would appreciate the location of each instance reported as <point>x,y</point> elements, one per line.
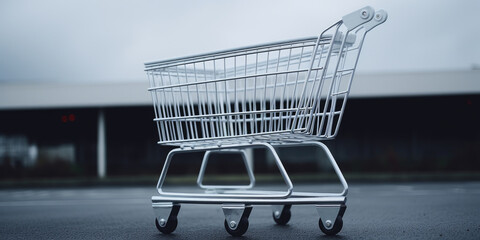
<point>240,230</point>
<point>282,218</point>
<point>169,226</point>
<point>337,226</point>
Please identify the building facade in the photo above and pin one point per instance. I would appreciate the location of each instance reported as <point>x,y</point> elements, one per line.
<point>406,122</point>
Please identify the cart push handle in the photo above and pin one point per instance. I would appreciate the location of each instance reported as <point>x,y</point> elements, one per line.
<point>364,16</point>
<point>358,17</point>
<point>379,18</point>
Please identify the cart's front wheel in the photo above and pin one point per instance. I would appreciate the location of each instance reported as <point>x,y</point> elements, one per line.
<point>240,229</point>
<point>167,227</point>
<point>337,226</point>
<point>282,217</point>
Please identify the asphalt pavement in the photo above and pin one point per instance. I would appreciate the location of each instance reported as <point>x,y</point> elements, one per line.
<point>374,211</point>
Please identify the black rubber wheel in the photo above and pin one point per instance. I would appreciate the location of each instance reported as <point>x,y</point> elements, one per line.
<point>240,230</point>
<point>337,227</point>
<point>169,227</point>
<point>284,216</point>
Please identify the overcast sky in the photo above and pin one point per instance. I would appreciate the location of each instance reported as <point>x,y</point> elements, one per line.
<point>109,40</point>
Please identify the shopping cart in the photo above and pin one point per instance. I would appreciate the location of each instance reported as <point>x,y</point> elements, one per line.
<point>282,94</point>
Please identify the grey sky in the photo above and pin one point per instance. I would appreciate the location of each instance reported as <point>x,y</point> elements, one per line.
<point>91,41</point>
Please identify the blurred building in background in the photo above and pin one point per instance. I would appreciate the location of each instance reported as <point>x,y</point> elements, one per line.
<point>394,122</point>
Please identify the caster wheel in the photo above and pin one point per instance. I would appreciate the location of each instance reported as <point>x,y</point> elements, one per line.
<point>169,227</point>
<point>240,230</point>
<point>337,227</point>
<point>284,216</point>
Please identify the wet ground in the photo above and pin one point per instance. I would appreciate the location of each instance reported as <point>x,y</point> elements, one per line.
<point>375,211</point>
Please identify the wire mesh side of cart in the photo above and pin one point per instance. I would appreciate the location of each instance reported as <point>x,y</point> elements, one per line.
<point>284,91</point>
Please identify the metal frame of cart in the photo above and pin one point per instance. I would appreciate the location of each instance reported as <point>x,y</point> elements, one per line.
<point>283,94</point>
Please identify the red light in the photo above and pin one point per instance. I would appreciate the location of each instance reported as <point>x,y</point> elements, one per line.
<point>71,117</point>
<point>64,119</point>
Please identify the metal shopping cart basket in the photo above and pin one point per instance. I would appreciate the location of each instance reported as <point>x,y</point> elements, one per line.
<point>282,94</point>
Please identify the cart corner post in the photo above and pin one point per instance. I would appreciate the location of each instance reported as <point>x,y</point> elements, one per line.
<point>101,145</point>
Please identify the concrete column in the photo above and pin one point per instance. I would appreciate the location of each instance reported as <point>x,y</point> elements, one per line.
<point>101,145</point>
